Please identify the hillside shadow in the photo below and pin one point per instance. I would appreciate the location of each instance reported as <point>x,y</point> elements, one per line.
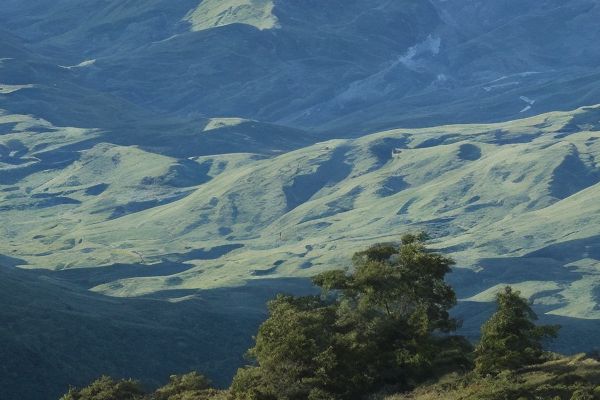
<point>11,262</point>
<point>329,172</point>
<point>203,254</point>
<point>92,276</point>
<point>549,264</point>
<point>88,278</point>
<point>65,336</point>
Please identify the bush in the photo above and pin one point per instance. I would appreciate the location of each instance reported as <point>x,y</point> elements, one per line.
<point>191,386</point>
<point>106,388</point>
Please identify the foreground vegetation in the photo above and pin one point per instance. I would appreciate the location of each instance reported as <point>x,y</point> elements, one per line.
<point>561,378</point>
<point>384,327</point>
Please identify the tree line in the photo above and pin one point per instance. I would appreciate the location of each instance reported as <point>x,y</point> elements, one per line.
<point>383,323</point>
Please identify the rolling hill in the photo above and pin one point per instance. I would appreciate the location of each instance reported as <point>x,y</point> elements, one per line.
<point>514,203</point>
<point>482,191</point>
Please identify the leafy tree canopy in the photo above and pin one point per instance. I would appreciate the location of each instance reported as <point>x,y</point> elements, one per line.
<point>380,323</point>
<point>510,339</point>
<point>191,386</point>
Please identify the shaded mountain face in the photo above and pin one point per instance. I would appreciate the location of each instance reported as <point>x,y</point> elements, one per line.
<point>166,58</point>
<point>345,67</point>
<point>55,334</point>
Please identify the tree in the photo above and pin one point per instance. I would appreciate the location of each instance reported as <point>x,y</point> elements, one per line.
<point>398,283</point>
<point>378,324</point>
<point>106,388</point>
<point>510,339</point>
<point>191,386</point>
<point>291,349</point>
<point>390,306</point>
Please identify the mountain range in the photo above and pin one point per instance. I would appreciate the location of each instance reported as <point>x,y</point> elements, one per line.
<point>177,164</point>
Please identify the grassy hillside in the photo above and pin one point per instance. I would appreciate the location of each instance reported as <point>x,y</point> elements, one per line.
<point>483,191</point>
<point>164,163</point>
<point>514,202</point>
<point>576,377</point>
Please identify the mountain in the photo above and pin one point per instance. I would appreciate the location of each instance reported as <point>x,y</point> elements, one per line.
<point>342,68</point>
<point>167,163</point>
<point>483,192</point>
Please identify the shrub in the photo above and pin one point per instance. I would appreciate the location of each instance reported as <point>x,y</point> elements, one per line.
<point>106,388</point>
<point>509,339</point>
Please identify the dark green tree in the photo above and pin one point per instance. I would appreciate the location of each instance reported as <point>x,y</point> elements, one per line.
<point>381,323</point>
<point>403,282</point>
<point>510,339</point>
<point>106,388</point>
<point>389,308</point>
<point>292,348</point>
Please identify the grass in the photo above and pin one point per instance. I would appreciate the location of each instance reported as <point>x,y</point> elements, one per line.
<point>484,191</point>
<point>211,14</point>
<point>565,378</point>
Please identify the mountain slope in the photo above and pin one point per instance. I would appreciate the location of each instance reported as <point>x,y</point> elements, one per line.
<point>169,162</point>
<point>55,334</point>
<point>482,191</point>
<point>341,67</point>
